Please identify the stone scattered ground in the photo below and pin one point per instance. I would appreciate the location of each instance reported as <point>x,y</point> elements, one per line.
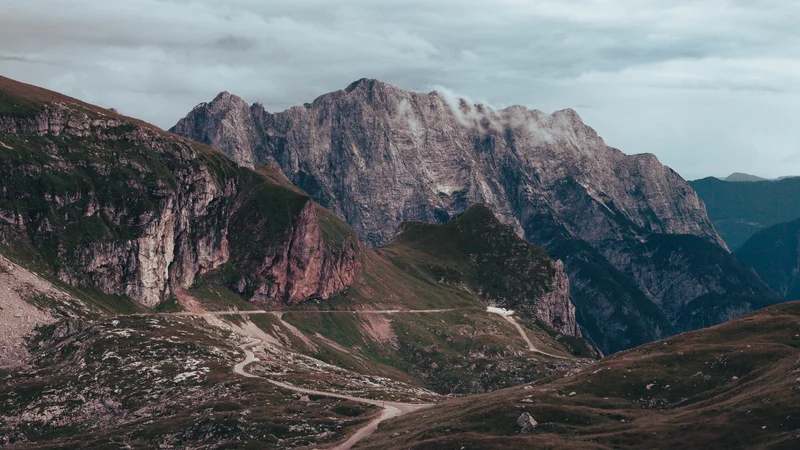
<point>167,379</point>
<point>156,381</point>
<point>19,316</point>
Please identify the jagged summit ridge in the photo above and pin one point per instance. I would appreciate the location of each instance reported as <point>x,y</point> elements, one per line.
<point>436,140</point>
<point>378,156</point>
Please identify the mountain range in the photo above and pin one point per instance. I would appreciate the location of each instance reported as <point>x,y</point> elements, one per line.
<point>442,262</point>
<point>630,231</point>
<point>740,209</point>
<point>739,177</point>
<point>774,253</point>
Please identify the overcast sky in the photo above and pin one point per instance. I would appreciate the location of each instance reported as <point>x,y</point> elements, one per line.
<point>709,86</point>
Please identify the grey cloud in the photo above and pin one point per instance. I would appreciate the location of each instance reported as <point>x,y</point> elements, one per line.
<point>647,68</point>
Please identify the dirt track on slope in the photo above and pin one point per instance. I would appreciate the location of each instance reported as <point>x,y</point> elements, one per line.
<point>390,409</point>
<point>524,335</point>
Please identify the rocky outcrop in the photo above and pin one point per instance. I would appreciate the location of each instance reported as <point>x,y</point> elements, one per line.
<point>306,266</point>
<point>227,119</point>
<point>378,155</point>
<point>526,422</point>
<point>476,250</point>
<point>554,306</point>
<point>122,207</point>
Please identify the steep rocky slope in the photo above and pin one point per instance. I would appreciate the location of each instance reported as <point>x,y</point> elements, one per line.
<point>740,209</point>
<point>109,225</point>
<point>131,218</point>
<point>378,156</point>
<point>476,251</point>
<point>457,268</point>
<point>731,386</point>
<point>774,253</point>
<point>104,202</point>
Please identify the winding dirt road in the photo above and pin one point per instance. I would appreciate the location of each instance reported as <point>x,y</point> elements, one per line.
<point>508,315</point>
<point>263,311</point>
<point>390,409</point>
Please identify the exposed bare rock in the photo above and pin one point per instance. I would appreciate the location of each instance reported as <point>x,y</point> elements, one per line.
<point>306,266</point>
<point>554,306</point>
<point>378,156</point>
<point>125,208</point>
<point>526,422</point>
<point>20,291</point>
<point>229,120</point>
<point>417,156</point>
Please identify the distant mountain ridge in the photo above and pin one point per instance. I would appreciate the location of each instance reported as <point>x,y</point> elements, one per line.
<point>740,209</point>
<point>739,177</point>
<point>774,253</point>
<point>379,156</point>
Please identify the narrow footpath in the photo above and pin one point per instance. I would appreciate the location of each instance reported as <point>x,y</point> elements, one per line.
<point>509,316</point>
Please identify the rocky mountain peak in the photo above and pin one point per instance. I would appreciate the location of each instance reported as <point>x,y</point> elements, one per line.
<point>140,212</point>
<point>225,101</point>
<point>378,156</point>
<point>363,83</point>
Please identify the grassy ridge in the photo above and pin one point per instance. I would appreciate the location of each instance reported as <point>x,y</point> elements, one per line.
<point>477,252</point>
<point>730,386</point>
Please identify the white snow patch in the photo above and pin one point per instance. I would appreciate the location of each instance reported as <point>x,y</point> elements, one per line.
<point>445,189</point>
<point>501,311</point>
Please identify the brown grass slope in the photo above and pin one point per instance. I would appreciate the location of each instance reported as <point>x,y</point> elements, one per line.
<point>736,385</point>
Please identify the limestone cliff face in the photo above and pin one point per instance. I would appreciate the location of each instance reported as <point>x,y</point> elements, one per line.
<point>227,121</point>
<point>124,208</point>
<point>410,156</point>
<point>306,267</point>
<point>554,307</point>
<point>378,155</point>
